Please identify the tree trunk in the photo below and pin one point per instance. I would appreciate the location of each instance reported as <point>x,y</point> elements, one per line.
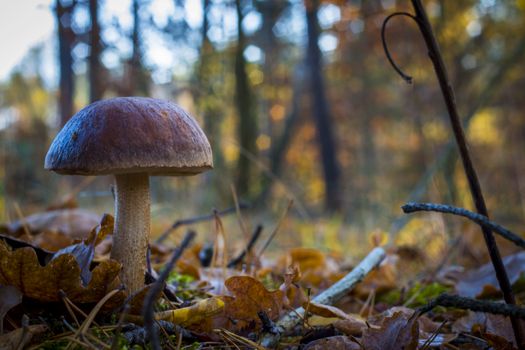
<point>210,106</point>
<point>66,37</point>
<point>138,79</point>
<point>247,119</point>
<point>321,112</point>
<point>96,89</point>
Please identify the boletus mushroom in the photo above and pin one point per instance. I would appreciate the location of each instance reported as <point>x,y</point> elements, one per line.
<point>131,138</point>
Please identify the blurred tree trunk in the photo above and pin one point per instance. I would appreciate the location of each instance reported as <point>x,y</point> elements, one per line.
<point>210,105</point>
<point>321,112</point>
<point>96,88</point>
<point>66,38</point>
<point>137,80</point>
<point>211,117</point>
<point>245,107</point>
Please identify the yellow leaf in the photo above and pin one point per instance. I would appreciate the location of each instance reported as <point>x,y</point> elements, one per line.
<point>196,313</point>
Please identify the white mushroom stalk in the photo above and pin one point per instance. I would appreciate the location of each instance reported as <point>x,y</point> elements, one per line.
<point>132,227</point>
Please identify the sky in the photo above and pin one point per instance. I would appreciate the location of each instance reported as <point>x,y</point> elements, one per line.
<point>26,23</point>
<point>23,23</point>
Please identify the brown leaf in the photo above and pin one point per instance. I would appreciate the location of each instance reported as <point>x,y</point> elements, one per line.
<point>75,223</point>
<point>52,240</point>
<point>240,310</point>
<point>396,332</point>
<point>486,324</point>
<point>20,268</point>
<point>339,342</point>
<point>316,268</point>
<point>354,325</point>
<point>482,282</point>
<point>85,251</point>
<point>20,337</point>
<point>325,310</point>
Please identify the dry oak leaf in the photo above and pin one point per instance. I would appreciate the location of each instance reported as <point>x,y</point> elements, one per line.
<point>20,268</point>
<point>482,282</point>
<point>240,310</point>
<point>395,333</point>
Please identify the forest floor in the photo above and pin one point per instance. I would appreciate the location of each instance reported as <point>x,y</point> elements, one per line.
<point>61,292</point>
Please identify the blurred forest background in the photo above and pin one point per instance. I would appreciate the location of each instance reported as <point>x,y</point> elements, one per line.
<point>298,101</point>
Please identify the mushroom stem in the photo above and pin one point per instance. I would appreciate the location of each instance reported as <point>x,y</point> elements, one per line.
<point>130,239</point>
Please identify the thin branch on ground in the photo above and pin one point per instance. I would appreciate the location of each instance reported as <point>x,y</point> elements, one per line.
<point>253,239</point>
<point>156,289</point>
<point>477,218</point>
<point>328,297</point>
<point>491,307</point>
<point>197,219</point>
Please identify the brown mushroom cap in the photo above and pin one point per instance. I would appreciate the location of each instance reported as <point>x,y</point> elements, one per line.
<point>126,135</point>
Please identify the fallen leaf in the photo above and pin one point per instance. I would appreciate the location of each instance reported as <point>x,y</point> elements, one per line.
<point>51,240</point>
<point>317,270</point>
<point>486,324</point>
<point>338,342</point>
<point>20,337</point>
<point>325,310</point>
<point>353,325</point>
<point>195,313</point>
<point>294,295</point>
<point>85,251</point>
<point>9,298</point>
<point>240,310</point>
<point>75,223</point>
<point>482,282</point>
<point>395,332</point>
<point>21,268</point>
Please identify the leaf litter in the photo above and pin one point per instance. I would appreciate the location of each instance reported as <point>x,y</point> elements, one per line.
<point>234,307</point>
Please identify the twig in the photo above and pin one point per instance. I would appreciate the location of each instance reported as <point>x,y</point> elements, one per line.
<point>276,229</point>
<point>253,239</point>
<point>493,84</point>
<point>157,287</point>
<point>118,330</point>
<point>329,296</point>
<point>491,307</point>
<point>412,207</point>
<point>434,53</point>
<point>197,219</point>
<point>87,322</point>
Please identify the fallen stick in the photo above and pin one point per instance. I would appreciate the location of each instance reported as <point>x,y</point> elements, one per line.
<point>328,297</point>
<point>482,220</point>
<point>492,307</point>
<point>198,219</point>
<point>156,289</point>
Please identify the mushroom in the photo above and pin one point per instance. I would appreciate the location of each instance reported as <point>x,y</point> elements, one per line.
<point>131,138</point>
